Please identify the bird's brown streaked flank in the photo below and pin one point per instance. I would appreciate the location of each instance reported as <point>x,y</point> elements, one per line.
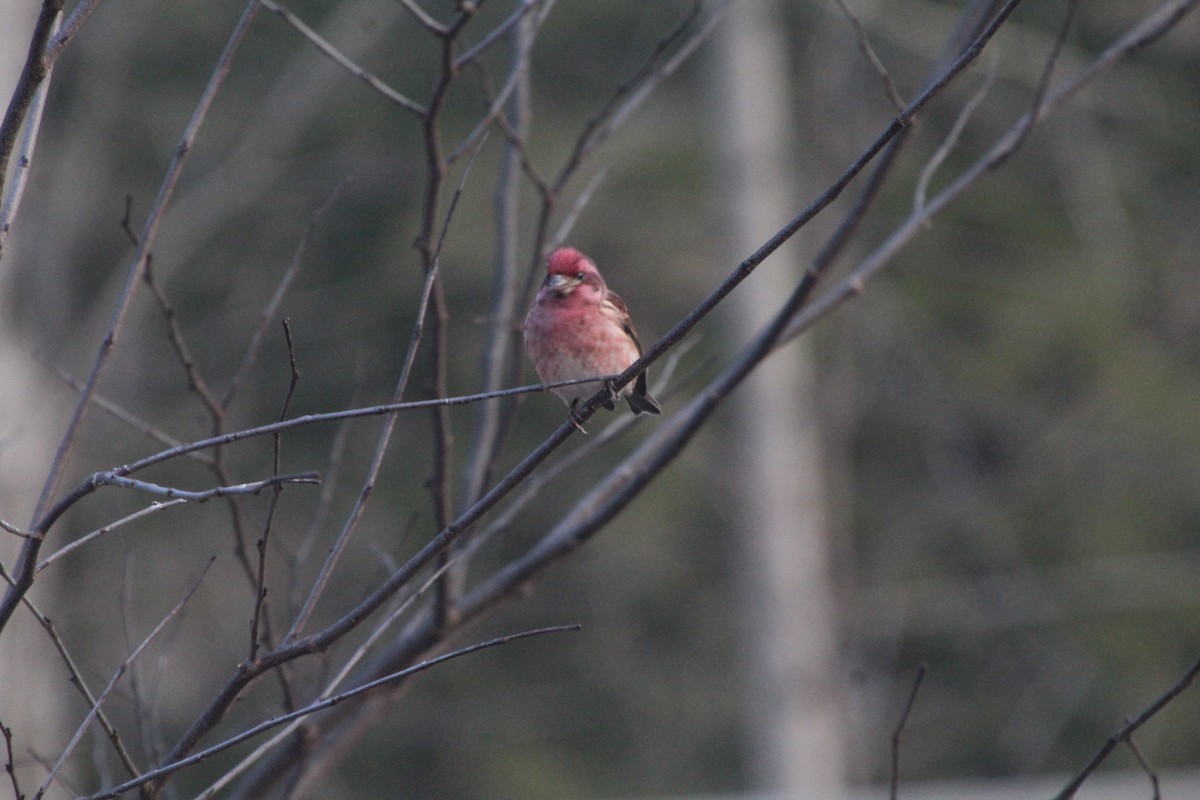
<point>578,328</point>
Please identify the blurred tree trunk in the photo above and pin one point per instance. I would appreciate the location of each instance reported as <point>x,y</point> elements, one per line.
<point>793,709</point>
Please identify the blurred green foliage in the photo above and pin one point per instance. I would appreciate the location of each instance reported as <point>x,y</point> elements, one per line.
<point>1011,409</point>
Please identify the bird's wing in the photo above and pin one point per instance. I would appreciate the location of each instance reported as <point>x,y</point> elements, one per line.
<point>616,310</point>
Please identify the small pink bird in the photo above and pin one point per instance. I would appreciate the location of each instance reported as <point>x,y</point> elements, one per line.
<point>578,328</point>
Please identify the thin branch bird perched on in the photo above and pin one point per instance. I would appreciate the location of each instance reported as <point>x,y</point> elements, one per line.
<point>577,328</point>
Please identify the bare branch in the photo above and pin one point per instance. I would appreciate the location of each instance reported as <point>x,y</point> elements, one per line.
<point>171,493</point>
<point>35,71</point>
<point>632,93</point>
<point>15,530</point>
<point>153,508</point>
<point>1149,29</point>
<point>127,417</point>
<point>195,380</point>
<point>121,670</point>
<point>262,727</point>
<point>273,305</point>
<point>1155,789</point>
<point>29,553</point>
<point>260,580</point>
<point>1131,726</point>
<point>950,140</point>
<point>497,33</point>
<point>9,763</point>
<point>864,44</point>
<point>79,15</point>
<point>344,61</point>
<point>78,681</point>
<point>384,438</point>
<point>20,176</point>
<point>422,17</point>
<point>520,64</point>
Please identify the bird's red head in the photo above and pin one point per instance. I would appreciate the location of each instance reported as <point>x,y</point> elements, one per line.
<point>572,277</point>
<point>567,261</point>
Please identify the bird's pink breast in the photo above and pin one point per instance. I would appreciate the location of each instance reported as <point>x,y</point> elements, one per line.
<point>567,341</point>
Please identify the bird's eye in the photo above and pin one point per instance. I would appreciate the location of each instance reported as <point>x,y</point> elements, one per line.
<point>578,276</point>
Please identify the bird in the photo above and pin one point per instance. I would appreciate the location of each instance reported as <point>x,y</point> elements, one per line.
<point>577,328</point>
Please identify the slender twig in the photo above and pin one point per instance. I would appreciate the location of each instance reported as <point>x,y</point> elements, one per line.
<point>344,671</point>
<point>9,762</point>
<point>497,100</point>
<point>15,530</point>
<point>499,349</point>
<point>894,784</point>
<point>495,34</point>
<point>260,584</point>
<point>384,438</point>
<point>312,708</point>
<point>74,21</point>
<point>1146,31</point>
<point>316,523</point>
<point>1126,730</point>
<point>1155,788</point>
<point>154,508</point>
<point>344,61</point>
<point>631,92</point>
<point>34,72</point>
<point>124,415</point>
<point>142,711</point>
<point>20,174</point>
<point>171,493</point>
<point>121,670</point>
<point>419,14</point>
<point>864,44</point>
<point>77,680</point>
<point>195,380</point>
<point>950,140</point>
<point>271,309</point>
<point>430,240</point>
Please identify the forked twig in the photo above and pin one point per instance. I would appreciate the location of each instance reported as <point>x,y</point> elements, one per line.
<point>344,61</point>
<point>1126,730</point>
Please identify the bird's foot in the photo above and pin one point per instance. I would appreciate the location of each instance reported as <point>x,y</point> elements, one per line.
<point>613,396</point>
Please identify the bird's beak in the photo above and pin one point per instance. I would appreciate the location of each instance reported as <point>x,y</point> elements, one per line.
<point>562,284</point>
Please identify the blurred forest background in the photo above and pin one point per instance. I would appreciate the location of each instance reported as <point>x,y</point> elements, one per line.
<point>1003,429</point>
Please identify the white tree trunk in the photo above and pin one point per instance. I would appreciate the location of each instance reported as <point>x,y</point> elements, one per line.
<point>793,705</point>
